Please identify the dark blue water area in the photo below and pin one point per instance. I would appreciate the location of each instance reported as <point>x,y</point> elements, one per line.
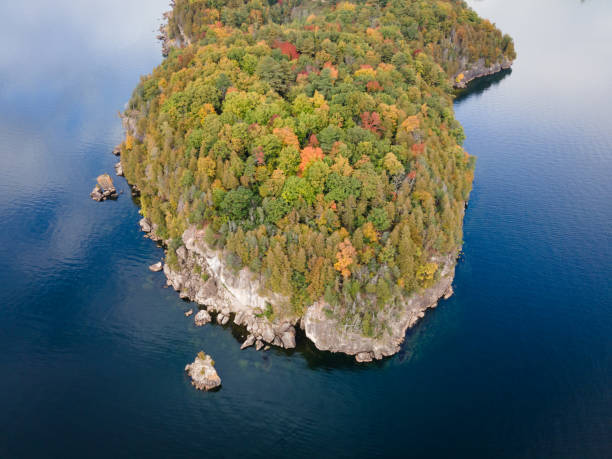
<point>93,346</point>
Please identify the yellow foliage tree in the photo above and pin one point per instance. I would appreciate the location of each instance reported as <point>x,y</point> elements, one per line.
<point>425,273</point>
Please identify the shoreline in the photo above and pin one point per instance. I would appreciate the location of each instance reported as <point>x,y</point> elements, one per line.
<point>202,277</point>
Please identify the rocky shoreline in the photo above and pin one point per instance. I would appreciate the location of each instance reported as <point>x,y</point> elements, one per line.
<point>479,70</point>
<point>200,275</point>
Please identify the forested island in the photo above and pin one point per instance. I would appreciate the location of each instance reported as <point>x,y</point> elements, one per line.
<point>301,161</point>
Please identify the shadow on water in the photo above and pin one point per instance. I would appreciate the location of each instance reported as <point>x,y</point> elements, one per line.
<point>480,85</point>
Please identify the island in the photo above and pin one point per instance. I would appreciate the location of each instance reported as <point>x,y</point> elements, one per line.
<point>301,163</point>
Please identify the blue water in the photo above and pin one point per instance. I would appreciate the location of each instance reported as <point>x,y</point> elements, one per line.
<point>517,364</point>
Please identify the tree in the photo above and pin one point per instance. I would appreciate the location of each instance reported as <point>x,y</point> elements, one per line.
<point>236,203</point>
<point>345,257</point>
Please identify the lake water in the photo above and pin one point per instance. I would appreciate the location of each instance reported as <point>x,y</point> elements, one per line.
<point>517,364</point>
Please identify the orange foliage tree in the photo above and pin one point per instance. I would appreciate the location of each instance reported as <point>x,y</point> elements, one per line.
<point>345,257</point>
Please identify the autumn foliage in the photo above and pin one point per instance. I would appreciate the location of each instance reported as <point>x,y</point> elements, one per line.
<point>345,257</point>
<point>308,155</point>
<point>318,150</point>
<point>371,122</point>
<point>287,49</point>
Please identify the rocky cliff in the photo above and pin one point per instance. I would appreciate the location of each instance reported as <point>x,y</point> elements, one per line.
<point>327,334</point>
<point>202,276</point>
<point>479,69</point>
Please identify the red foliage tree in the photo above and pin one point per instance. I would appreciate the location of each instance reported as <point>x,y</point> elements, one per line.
<point>371,122</point>
<point>287,49</point>
<point>418,148</point>
<point>373,86</point>
<point>259,156</point>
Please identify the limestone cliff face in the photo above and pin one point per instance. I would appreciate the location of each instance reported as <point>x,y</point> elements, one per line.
<point>479,69</point>
<point>202,276</point>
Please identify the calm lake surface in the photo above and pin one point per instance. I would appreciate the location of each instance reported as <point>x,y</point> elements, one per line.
<point>517,364</point>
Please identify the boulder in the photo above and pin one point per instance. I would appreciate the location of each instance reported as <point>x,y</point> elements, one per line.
<point>202,372</point>
<point>119,169</point>
<point>248,342</point>
<point>188,313</point>
<point>225,320</point>
<point>97,194</point>
<point>288,339</point>
<point>238,318</point>
<point>117,150</point>
<point>267,334</point>
<point>258,345</point>
<point>145,225</point>
<point>156,267</point>
<point>202,317</point>
<point>364,357</point>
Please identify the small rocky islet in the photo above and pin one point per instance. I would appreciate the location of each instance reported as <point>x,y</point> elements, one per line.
<point>202,372</point>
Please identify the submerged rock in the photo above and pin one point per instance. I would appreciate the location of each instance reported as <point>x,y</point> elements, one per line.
<point>202,372</point>
<point>202,318</point>
<point>156,267</point>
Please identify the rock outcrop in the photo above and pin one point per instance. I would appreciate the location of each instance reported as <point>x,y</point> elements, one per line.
<point>202,372</point>
<point>104,189</point>
<point>119,169</point>
<point>147,227</point>
<point>202,318</point>
<point>479,69</point>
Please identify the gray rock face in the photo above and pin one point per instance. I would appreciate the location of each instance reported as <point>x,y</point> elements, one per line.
<point>479,69</point>
<point>227,292</point>
<point>202,372</point>
<point>202,318</point>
